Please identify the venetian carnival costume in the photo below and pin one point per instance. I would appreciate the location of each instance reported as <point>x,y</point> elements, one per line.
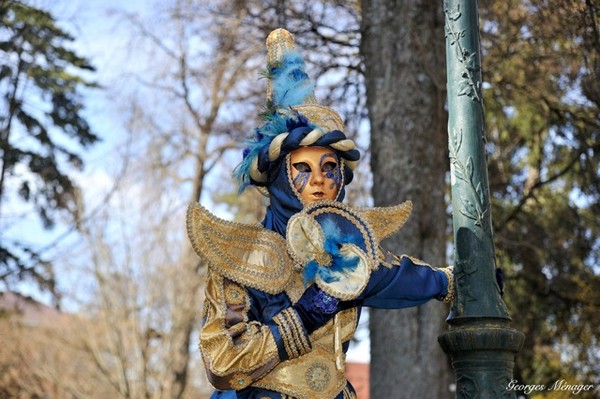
<point>282,299</point>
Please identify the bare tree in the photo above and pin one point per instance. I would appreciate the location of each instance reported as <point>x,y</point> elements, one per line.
<point>192,94</point>
<point>40,355</point>
<point>404,58</point>
<point>147,279</point>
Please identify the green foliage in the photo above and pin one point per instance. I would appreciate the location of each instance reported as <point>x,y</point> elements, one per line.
<point>40,103</point>
<point>542,69</point>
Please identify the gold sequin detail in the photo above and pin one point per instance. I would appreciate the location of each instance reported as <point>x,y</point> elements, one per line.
<point>240,381</point>
<point>235,295</point>
<point>317,376</point>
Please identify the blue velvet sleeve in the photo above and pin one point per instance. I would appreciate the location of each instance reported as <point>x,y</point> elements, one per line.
<point>404,285</point>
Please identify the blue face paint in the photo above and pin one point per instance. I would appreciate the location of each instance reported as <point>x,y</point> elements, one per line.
<point>301,180</point>
<point>333,173</point>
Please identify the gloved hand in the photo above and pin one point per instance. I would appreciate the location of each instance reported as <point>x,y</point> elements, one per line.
<point>316,308</point>
<point>500,280</point>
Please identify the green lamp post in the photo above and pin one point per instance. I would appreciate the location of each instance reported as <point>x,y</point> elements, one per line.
<point>480,341</point>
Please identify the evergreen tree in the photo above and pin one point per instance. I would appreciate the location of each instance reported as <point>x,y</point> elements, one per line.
<point>42,129</point>
<point>541,64</point>
<point>542,73</point>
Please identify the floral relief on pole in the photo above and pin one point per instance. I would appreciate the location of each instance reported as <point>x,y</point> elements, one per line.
<point>469,84</point>
<point>474,201</point>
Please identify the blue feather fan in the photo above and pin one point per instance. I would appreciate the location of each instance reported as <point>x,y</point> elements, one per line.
<point>334,239</point>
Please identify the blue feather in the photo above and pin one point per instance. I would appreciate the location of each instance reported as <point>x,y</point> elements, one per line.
<point>290,83</point>
<point>275,124</point>
<point>310,272</point>
<point>333,232</point>
<point>340,264</point>
<point>290,86</point>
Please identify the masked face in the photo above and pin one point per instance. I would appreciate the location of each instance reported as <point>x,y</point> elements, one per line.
<point>316,173</point>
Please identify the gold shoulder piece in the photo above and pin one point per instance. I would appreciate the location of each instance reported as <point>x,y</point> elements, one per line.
<point>385,221</point>
<point>249,255</point>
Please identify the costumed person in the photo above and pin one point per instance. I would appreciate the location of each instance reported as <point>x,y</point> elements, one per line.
<point>283,299</point>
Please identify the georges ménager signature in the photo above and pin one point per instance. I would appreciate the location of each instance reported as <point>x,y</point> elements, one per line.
<point>558,385</point>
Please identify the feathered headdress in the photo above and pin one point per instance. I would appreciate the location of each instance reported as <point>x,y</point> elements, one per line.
<point>292,118</point>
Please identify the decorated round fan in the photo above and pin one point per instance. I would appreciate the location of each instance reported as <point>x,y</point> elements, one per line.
<point>335,246</point>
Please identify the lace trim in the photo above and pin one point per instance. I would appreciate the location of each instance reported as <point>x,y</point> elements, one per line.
<point>449,272</point>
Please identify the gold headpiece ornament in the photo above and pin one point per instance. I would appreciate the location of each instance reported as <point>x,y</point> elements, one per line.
<point>279,42</point>
<point>290,94</point>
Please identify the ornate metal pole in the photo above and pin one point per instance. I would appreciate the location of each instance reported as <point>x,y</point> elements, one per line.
<point>480,341</point>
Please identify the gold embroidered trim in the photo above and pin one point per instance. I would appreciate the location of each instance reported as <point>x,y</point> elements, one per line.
<point>305,240</point>
<point>288,171</point>
<point>385,221</point>
<point>258,259</point>
<point>321,116</point>
<point>292,333</point>
<point>295,287</point>
<point>235,295</point>
<point>348,394</point>
<point>416,261</point>
<point>240,381</point>
<point>387,258</point>
<point>286,336</point>
<point>354,217</point>
<point>449,272</point>
<point>323,337</point>
<point>317,376</point>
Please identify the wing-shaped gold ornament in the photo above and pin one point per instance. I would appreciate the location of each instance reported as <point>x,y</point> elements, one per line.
<point>385,221</point>
<point>249,255</point>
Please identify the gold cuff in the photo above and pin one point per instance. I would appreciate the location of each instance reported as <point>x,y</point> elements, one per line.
<point>295,341</point>
<point>449,272</point>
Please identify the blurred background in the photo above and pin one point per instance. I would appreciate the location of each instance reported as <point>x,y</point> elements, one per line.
<point>115,115</point>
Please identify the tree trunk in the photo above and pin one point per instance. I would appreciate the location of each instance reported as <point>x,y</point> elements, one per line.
<point>403,49</point>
